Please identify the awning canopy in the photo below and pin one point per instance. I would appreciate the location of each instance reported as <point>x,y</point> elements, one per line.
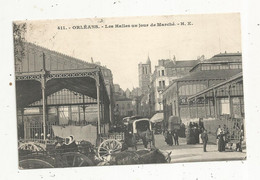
<point>29,91</point>
<point>158,117</point>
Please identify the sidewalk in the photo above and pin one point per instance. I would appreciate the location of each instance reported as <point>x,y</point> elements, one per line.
<point>194,153</point>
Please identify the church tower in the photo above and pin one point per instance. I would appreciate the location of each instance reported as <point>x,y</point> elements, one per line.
<point>144,72</point>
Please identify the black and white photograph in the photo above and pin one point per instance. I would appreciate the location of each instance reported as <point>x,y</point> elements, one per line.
<point>129,90</point>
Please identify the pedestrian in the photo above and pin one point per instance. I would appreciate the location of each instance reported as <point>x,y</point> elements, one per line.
<point>196,135</point>
<point>201,124</point>
<point>168,138</point>
<point>176,138</point>
<point>190,125</point>
<point>217,134</point>
<point>221,142</point>
<point>204,137</point>
<point>239,144</point>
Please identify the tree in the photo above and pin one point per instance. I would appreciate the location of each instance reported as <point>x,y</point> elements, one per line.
<point>19,31</point>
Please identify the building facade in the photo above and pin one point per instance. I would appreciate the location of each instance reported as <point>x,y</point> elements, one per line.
<point>166,72</point>
<point>126,107</point>
<point>202,76</point>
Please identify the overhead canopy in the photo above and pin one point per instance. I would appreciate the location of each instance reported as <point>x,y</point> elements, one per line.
<point>29,91</point>
<point>158,117</point>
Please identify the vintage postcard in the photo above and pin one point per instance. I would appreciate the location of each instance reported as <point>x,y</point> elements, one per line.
<point>129,90</point>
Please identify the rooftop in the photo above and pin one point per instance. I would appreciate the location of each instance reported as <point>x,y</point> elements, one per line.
<point>183,63</point>
<point>81,64</point>
<point>229,57</point>
<point>211,74</point>
<point>221,58</point>
<point>223,74</point>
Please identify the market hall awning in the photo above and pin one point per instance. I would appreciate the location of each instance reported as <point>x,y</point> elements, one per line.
<point>158,117</point>
<point>236,78</point>
<point>29,86</point>
<point>231,88</point>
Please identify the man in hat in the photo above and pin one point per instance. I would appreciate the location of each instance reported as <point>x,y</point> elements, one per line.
<point>204,137</point>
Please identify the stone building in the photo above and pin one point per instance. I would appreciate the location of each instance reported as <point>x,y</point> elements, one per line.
<point>144,73</point>
<point>165,72</point>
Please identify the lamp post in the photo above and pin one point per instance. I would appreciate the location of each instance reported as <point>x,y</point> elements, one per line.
<point>134,106</point>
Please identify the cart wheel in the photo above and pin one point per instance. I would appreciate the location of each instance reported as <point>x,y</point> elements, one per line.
<point>108,147</point>
<point>75,159</point>
<point>34,164</point>
<point>31,146</point>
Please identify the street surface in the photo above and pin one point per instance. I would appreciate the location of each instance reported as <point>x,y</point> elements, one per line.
<point>194,153</point>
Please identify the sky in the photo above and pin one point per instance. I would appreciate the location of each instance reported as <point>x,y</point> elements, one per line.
<point>122,49</point>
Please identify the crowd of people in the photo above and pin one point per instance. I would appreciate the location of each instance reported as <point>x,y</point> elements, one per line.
<point>197,134</point>
<point>194,132</point>
<point>223,136</point>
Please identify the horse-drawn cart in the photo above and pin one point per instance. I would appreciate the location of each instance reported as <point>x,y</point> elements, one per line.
<point>56,153</point>
<point>33,155</point>
<point>135,130</point>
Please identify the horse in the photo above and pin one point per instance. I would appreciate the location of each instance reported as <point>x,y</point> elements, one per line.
<point>143,156</point>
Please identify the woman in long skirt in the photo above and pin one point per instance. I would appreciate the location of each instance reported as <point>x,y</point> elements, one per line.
<point>168,138</point>
<point>221,142</point>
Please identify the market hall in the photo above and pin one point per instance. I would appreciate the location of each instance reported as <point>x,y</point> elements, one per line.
<point>56,89</point>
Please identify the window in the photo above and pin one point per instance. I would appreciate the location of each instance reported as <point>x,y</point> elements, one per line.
<point>205,67</point>
<point>224,66</point>
<point>224,106</point>
<point>160,83</point>
<point>162,72</point>
<point>163,84</point>
<point>235,66</point>
<point>215,67</point>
